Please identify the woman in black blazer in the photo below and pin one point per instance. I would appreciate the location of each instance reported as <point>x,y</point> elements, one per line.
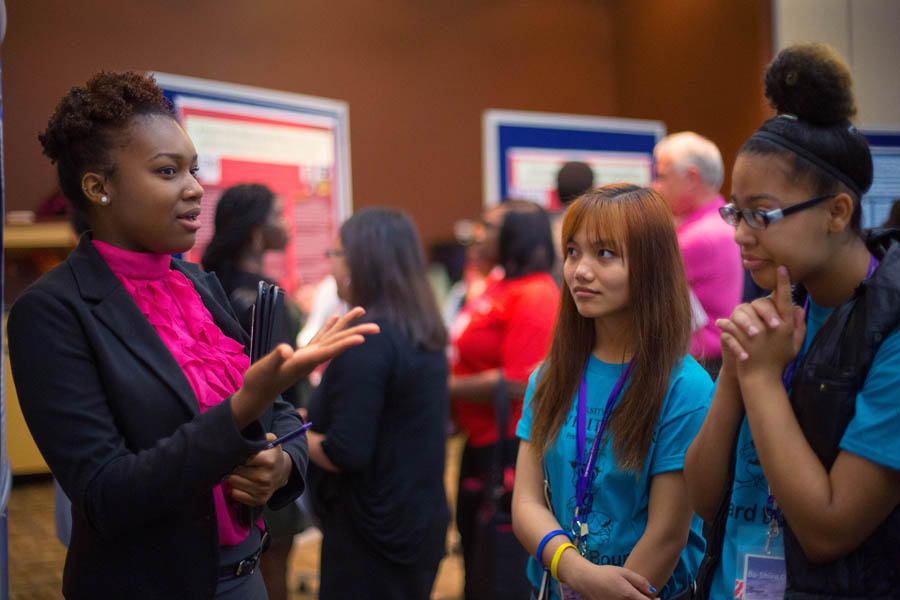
<point>112,410</point>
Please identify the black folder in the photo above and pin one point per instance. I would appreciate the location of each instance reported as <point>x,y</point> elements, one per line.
<point>266,327</point>
<point>267,321</point>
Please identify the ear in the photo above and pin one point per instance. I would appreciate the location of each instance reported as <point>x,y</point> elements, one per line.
<point>840,213</point>
<point>693,176</point>
<point>93,186</point>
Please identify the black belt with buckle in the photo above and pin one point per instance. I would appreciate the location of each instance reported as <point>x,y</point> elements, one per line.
<point>248,565</point>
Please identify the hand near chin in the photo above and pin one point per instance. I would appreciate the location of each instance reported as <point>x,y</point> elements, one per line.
<point>762,337</point>
<point>596,582</point>
<point>281,368</point>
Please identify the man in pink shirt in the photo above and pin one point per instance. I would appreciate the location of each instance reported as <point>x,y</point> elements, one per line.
<point>689,173</point>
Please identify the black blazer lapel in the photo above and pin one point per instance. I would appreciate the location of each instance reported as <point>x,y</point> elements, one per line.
<point>115,308</point>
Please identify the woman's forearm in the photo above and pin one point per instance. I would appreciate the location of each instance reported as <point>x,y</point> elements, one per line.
<point>655,557</point>
<point>317,453</point>
<point>669,516</point>
<point>480,388</point>
<point>830,511</point>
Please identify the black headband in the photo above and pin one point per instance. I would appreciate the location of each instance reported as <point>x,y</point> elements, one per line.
<point>801,151</point>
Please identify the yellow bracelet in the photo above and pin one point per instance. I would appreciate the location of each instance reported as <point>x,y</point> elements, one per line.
<point>554,564</point>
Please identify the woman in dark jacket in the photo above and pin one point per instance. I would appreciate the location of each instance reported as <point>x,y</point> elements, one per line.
<point>131,368</point>
<point>379,422</point>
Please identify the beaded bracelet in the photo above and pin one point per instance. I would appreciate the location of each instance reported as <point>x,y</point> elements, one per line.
<point>554,564</point>
<point>547,538</point>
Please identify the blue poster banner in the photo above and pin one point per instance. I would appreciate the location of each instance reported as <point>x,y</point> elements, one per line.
<point>523,151</point>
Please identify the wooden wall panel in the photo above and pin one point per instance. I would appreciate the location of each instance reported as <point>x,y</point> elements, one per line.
<point>417,75</point>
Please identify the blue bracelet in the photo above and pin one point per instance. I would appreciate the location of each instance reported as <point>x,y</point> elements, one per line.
<point>547,538</point>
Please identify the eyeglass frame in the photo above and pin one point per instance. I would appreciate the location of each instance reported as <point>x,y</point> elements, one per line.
<point>768,216</point>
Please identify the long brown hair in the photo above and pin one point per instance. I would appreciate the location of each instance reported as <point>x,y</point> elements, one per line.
<point>639,221</point>
<point>387,270</point>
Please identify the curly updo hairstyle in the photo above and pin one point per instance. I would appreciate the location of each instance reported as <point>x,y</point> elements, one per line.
<point>83,128</point>
<point>810,88</point>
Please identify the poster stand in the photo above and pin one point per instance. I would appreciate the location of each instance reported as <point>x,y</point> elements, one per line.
<point>522,152</point>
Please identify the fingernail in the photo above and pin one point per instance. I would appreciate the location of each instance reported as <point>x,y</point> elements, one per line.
<point>743,356</point>
<point>774,322</point>
<point>752,330</point>
<point>652,590</point>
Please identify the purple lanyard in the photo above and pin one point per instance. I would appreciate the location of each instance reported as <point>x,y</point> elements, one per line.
<point>586,472</point>
<point>788,374</point>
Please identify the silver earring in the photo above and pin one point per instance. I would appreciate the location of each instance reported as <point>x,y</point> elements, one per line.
<point>104,200</point>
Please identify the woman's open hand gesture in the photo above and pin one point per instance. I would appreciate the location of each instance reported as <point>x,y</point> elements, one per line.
<point>282,367</point>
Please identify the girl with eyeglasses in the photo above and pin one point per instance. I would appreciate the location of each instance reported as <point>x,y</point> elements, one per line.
<point>796,469</point>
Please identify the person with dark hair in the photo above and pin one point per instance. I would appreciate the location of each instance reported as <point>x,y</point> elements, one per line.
<point>132,371</point>
<point>248,223</point>
<point>572,180</point>
<point>893,220</point>
<point>379,414</point>
<point>498,339</point>
<point>797,466</point>
<point>610,412</point>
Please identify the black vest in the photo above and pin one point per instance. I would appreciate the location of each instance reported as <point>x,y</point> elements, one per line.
<point>823,395</point>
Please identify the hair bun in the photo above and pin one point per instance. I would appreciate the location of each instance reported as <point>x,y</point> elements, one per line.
<point>811,82</point>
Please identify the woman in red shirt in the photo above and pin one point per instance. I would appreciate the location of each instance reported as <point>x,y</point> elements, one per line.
<point>497,340</point>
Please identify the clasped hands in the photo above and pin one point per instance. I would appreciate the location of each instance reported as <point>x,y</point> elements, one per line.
<point>264,473</point>
<point>607,582</point>
<point>762,337</point>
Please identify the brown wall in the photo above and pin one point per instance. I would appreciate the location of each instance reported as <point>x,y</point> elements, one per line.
<point>417,75</point>
<point>696,65</point>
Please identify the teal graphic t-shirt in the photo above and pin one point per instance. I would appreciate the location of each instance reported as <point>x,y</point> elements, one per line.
<point>620,499</point>
<point>872,434</point>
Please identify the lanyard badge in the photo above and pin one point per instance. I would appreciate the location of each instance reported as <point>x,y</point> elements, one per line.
<point>585,470</point>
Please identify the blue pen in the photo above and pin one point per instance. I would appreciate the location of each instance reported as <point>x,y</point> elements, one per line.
<point>288,436</point>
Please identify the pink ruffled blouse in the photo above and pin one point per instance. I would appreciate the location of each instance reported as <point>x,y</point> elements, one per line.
<point>213,363</point>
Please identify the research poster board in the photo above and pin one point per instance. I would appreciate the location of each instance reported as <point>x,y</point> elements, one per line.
<point>885,190</point>
<point>523,151</point>
<point>297,145</point>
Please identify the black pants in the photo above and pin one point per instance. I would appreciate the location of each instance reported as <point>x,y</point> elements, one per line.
<point>352,569</point>
<point>472,502</point>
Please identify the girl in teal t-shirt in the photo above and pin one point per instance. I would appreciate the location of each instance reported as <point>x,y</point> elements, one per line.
<point>618,373</point>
